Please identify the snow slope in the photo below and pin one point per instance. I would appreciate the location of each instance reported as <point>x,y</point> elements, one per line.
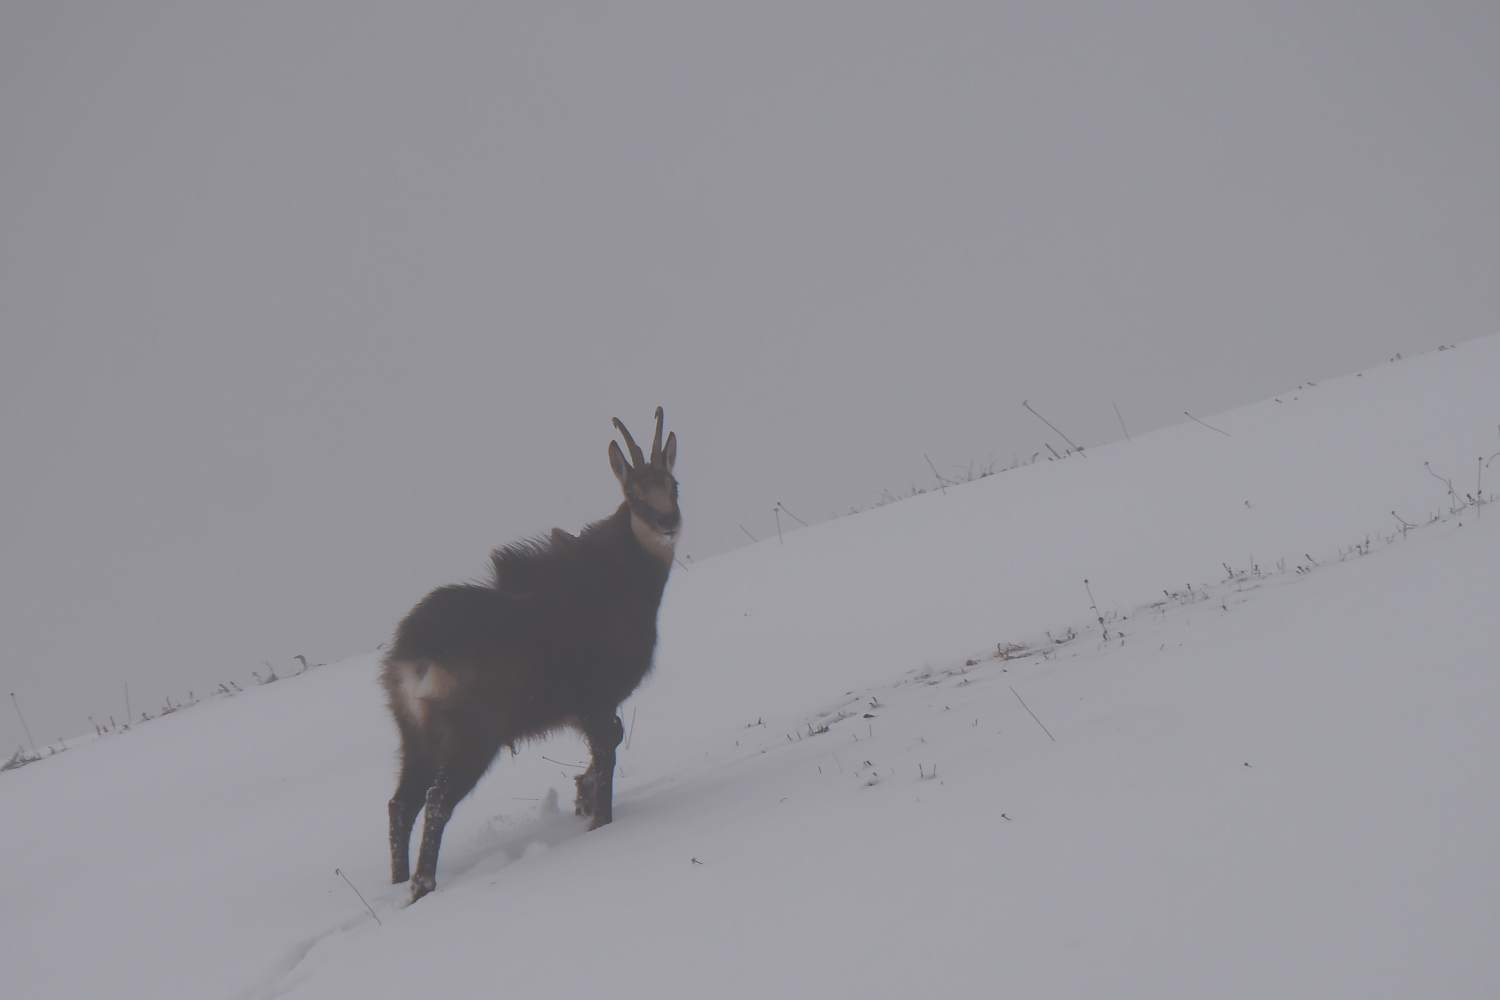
<point>1274,777</point>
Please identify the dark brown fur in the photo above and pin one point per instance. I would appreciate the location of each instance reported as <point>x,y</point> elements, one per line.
<point>563,634</point>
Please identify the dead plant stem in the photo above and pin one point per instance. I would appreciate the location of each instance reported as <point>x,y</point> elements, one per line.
<point>339,872</point>
<point>1209,426</point>
<point>1030,712</point>
<point>23,721</point>
<point>1054,429</point>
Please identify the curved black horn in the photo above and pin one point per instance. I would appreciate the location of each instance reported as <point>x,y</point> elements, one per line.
<point>636,458</point>
<point>656,458</point>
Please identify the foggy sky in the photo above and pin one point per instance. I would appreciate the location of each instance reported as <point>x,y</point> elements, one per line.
<point>305,307</point>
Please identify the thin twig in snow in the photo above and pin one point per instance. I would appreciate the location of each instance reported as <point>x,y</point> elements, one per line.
<point>1095,608</point>
<point>941,485</point>
<point>1031,713</point>
<point>789,514</point>
<point>1209,426</point>
<point>1054,429</point>
<point>341,875</point>
<point>23,721</point>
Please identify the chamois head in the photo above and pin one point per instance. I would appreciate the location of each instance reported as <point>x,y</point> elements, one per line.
<point>649,489</point>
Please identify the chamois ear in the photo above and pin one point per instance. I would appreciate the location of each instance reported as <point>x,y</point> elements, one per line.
<point>669,453</point>
<point>617,463</point>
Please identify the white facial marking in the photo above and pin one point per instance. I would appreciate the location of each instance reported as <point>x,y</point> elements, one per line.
<point>662,544</point>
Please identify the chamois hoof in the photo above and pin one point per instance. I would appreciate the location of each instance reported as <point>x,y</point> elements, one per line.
<point>421,886</point>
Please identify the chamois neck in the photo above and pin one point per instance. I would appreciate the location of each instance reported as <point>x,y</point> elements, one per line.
<point>642,537</point>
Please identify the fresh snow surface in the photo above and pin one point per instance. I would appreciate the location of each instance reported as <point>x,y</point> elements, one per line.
<point>1274,778</point>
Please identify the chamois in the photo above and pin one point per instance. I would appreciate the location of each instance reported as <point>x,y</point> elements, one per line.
<point>562,635</point>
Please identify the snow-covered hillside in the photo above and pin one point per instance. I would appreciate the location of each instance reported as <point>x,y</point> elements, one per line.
<point>898,754</point>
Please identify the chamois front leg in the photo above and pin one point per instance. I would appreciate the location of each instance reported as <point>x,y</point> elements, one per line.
<point>596,786</point>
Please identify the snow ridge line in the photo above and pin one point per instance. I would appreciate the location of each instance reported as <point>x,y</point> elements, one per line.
<point>1237,585</point>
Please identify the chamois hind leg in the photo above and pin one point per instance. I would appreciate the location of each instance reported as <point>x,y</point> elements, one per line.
<point>418,771</point>
<point>604,732</point>
<point>455,779</point>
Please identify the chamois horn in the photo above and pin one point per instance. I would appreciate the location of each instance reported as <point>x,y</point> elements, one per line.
<point>636,458</point>
<point>656,458</point>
